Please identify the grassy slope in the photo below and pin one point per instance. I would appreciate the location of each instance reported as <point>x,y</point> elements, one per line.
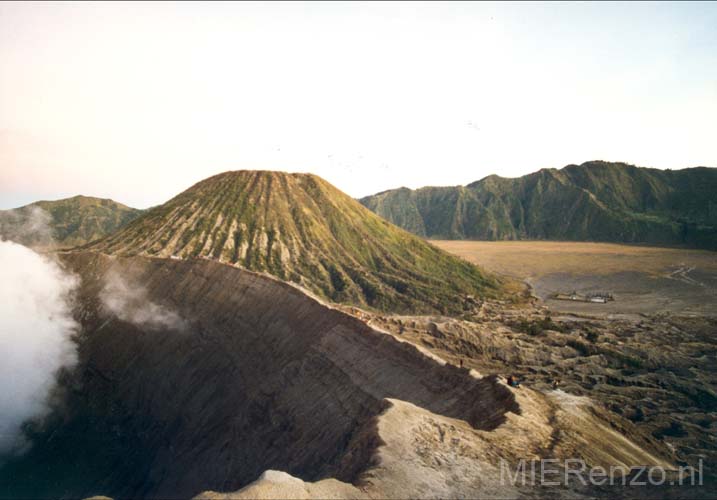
<point>72,221</point>
<point>300,228</point>
<point>595,201</point>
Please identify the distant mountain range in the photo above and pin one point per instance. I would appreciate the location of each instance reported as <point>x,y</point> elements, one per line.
<point>595,201</point>
<point>64,223</point>
<point>300,228</point>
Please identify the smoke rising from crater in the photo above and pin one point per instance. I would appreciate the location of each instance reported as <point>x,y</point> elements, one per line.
<point>29,226</point>
<point>35,337</point>
<point>129,302</point>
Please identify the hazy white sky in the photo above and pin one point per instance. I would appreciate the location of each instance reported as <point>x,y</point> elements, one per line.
<point>138,101</point>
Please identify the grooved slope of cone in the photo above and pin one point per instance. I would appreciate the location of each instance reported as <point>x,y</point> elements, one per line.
<point>300,228</point>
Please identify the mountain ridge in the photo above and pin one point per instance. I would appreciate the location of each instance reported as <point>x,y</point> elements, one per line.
<point>594,201</point>
<point>65,222</point>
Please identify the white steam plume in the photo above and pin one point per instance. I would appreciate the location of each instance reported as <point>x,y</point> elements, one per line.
<point>129,302</point>
<point>29,226</point>
<point>35,337</point>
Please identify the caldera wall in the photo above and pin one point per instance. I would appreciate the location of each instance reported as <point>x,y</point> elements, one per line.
<point>257,376</point>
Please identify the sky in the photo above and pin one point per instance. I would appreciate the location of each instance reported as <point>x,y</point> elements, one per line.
<point>138,101</point>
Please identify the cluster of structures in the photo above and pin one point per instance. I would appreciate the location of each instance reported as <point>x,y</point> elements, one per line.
<point>597,297</point>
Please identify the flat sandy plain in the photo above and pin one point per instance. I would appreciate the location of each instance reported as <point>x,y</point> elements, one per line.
<point>642,279</point>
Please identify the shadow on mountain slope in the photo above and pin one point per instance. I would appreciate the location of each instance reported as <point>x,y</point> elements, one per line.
<point>264,377</point>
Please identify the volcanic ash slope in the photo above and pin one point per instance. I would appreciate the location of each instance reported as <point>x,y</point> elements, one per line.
<point>261,391</point>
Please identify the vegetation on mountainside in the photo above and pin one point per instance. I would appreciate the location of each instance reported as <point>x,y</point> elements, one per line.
<point>595,201</point>
<point>67,222</point>
<point>300,228</point>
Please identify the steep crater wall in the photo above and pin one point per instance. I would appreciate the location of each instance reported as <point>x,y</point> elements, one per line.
<point>260,376</point>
